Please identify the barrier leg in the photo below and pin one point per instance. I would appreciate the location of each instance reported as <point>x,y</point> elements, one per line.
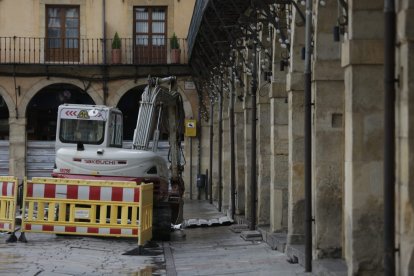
<point>138,251</point>
<point>149,249</point>
<point>151,244</point>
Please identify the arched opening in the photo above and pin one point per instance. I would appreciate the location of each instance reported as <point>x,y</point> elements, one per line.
<point>42,109</point>
<point>4,120</point>
<point>4,137</point>
<point>129,106</point>
<point>41,125</point>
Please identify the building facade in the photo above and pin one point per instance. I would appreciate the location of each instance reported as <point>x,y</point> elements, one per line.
<point>284,154</point>
<point>81,51</point>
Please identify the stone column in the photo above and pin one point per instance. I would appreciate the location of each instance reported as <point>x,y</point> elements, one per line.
<point>279,158</point>
<point>405,140</point>
<point>295,88</point>
<point>239,154</point>
<point>226,157</point>
<point>215,154</point>
<point>17,145</point>
<point>263,131</point>
<point>205,153</point>
<point>362,58</point>
<point>263,158</point>
<point>327,136</point>
<point>190,179</point>
<point>247,148</point>
<point>186,173</point>
<point>279,143</point>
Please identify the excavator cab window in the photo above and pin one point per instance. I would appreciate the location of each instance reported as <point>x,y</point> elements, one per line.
<point>115,130</point>
<point>84,131</point>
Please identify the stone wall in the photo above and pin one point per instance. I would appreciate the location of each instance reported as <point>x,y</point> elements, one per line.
<point>405,140</point>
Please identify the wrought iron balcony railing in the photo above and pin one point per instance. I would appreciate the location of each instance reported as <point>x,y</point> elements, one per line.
<point>56,51</point>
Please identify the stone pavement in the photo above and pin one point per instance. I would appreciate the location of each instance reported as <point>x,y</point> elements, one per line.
<point>192,251</point>
<point>219,251</point>
<point>48,254</point>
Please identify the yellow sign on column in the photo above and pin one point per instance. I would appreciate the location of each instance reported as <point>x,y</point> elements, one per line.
<point>190,128</point>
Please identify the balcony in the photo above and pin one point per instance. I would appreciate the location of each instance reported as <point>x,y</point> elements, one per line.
<point>44,51</point>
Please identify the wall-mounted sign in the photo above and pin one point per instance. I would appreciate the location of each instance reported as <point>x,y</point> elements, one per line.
<point>190,128</point>
<point>189,85</point>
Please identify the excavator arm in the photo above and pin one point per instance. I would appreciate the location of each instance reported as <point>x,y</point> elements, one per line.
<point>155,94</point>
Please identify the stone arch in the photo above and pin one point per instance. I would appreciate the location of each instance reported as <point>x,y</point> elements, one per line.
<point>9,102</point>
<point>22,107</point>
<point>123,89</point>
<point>115,98</point>
<point>128,104</point>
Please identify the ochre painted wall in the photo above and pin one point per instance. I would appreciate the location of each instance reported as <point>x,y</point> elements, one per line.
<point>24,18</point>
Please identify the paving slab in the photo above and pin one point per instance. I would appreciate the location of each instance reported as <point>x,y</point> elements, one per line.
<point>251,236</point>
<point>238,228</point>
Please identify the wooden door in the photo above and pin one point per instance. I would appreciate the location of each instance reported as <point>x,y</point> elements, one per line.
<point>150,41</point>
<point>62,34</point>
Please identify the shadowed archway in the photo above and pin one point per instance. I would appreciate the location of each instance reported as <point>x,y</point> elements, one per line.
<point>42,109</point>
<point>4,120</point>
<point>129,106</point>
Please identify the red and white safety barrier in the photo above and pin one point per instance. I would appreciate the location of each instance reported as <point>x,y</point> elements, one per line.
<point>6,226</point>
<point>81,230</point>
<point>8,202</point>
<point>7,189</point>
<point>59,191</point>
<point>88,207</point>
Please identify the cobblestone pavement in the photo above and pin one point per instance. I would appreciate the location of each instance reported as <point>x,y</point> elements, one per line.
<point>48,254</point>
<point>192,251</point>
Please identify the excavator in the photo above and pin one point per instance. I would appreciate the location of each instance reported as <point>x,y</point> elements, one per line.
<point>89,145</point>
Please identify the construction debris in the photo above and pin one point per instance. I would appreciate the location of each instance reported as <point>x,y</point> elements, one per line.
<point>193,223</point>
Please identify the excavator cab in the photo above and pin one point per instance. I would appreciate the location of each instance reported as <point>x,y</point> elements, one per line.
<point>92,125</point>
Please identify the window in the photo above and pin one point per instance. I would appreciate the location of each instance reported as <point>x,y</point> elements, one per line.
<point>115,129</point>
<point>85,131</point>
<point>62,33</point>
<point>150,35</point>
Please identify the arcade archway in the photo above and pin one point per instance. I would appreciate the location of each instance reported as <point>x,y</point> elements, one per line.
<point>129,105</point>
<point>42,109</point>
<point>4,137</point>
<point>41,125</point>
